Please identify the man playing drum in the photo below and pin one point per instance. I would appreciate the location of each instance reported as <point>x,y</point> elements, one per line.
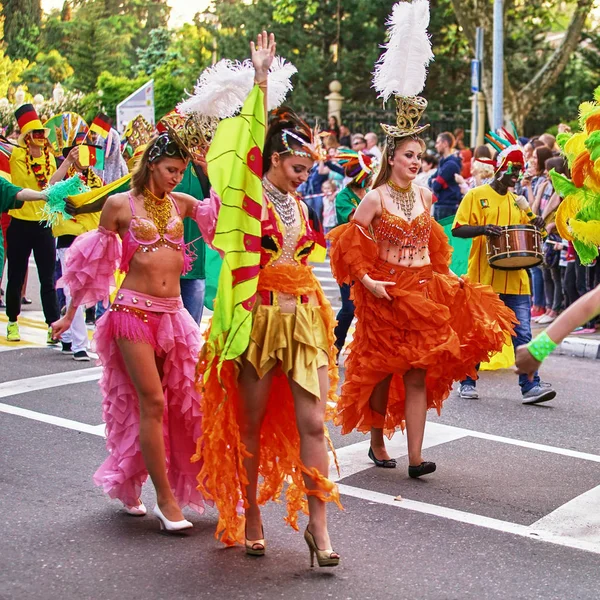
<point>483,213</point>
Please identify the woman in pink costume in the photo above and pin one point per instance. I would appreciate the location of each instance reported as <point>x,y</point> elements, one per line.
<point>147,342</point>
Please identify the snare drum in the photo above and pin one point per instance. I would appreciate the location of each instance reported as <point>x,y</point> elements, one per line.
<point>517,247</point>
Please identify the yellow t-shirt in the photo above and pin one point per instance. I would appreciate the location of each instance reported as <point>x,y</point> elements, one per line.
<point>31,211</point>
<point>483,206</point>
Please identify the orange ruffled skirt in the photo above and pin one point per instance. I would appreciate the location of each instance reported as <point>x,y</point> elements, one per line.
<point>433,323</point>
<point>296,345</point>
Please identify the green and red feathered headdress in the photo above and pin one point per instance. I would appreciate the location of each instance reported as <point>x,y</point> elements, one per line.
<point>357,165</point>
<point>509,150</point>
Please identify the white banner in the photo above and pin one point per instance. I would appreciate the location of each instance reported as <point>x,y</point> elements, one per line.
<point>141,102</point>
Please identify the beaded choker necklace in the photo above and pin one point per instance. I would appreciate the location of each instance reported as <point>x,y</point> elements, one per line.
<point>283,203</point>
<point>158,209</point>
<point>403,198</point>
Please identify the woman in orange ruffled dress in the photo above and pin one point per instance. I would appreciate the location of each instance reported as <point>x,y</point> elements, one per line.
<point>420,328</point>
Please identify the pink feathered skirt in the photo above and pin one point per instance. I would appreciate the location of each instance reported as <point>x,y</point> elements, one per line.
<point>170,330</point>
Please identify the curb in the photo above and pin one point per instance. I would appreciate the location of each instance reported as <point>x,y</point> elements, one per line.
<point>580,347</point>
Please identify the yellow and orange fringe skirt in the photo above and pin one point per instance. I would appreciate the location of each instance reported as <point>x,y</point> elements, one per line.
<point>296,344</point>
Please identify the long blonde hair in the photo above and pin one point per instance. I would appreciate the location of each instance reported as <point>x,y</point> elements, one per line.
<point>385,170</point>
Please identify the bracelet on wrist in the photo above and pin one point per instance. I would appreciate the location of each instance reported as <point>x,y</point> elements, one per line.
<point>541,346</point>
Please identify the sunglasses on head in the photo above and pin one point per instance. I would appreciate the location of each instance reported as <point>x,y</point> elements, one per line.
<point>164,146</point>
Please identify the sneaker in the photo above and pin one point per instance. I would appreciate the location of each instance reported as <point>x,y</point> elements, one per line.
<point>537,312</point>
<point>545,319</point>
<point>468,391</point>
<point>66,348</point>
<point>539,393</point>
<point>50,341</point>
<point>584,331</point>
<point>12,332</point>
<point>81,356</point>
<point>25,300</point>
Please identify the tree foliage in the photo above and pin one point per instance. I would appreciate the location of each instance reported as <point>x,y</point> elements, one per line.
<point>22,24</point>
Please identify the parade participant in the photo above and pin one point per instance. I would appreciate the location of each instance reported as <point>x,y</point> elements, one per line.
<point>264,370</point>
<point>147,342</point>
<point>482,213</point>
<point>419,327</point>
<point>529,357</point>
<point>32,165</point>
<point>359,167</point>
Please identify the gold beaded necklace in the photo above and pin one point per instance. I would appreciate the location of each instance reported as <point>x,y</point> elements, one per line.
<point>158,209</point>
<point>403,198</point>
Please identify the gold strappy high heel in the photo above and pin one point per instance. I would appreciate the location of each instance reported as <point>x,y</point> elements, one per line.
<point>262,545</point>
<point>325,558</point>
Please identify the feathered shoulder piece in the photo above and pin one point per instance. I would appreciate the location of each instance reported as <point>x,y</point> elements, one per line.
<point>222,89</point>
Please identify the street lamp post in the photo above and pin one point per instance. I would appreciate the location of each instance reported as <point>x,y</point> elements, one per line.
<point>498,67</point>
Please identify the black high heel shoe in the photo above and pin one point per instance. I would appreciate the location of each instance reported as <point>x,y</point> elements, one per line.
<point>389,463</point>
<point>423,469</point>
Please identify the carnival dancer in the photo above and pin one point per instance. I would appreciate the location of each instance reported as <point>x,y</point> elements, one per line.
<point>32,165</point>
<point>264,369</point>
<point>419,327</point>
<point>147,342</point>
<point>358,166</point>
<point>481,214</point>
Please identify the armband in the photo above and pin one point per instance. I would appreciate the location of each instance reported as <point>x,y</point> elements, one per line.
<point>541,346</point>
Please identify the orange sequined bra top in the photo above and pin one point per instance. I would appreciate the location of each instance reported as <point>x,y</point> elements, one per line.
<point>411,236</point>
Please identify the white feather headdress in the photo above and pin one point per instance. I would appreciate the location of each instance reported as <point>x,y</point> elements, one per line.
<point>221,89</point>
<point>402,68</point>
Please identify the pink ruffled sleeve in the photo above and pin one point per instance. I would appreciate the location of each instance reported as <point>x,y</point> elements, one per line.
<point>205,215</point>
<point>91,263</point>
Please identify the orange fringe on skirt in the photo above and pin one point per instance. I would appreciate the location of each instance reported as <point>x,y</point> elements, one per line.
<point>287,340</point>
<point>433,323</point>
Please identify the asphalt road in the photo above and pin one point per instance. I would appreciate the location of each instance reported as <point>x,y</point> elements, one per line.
<point>512,511</point>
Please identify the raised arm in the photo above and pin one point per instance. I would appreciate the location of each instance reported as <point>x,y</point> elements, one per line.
<point>262,54</point>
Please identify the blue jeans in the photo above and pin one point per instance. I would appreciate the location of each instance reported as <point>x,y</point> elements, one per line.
<point>520,304</point>
<point>443,211</point>
<point>537,280</point>
<point>344,317</point>
<point>192,294</point>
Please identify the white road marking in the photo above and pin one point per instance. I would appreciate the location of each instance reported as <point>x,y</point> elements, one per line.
<point>532,532</point>
<point>31,384</point>
<point>52,420</point>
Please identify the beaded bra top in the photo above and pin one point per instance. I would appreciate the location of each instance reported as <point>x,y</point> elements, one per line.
<point>283,245</point>
<point>144,232</point>
<point>411,236</point>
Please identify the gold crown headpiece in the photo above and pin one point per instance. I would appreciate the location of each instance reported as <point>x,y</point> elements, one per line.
<point>193,132</point>
<point>409,111</point>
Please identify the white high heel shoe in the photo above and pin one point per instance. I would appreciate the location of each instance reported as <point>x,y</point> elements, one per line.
<point>137,511</point>
<point>170,525</point>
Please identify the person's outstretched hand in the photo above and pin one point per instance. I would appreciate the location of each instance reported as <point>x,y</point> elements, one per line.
<point>262,53</point>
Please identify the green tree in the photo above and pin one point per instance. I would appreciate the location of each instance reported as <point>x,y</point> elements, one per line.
<point>532,64</point>
<point>48,69</point>
<point>10,70</point>
<point>157,52</point>
<point>22,22</point>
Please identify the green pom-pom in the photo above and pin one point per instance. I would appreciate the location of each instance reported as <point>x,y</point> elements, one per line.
<point>56,195</point>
